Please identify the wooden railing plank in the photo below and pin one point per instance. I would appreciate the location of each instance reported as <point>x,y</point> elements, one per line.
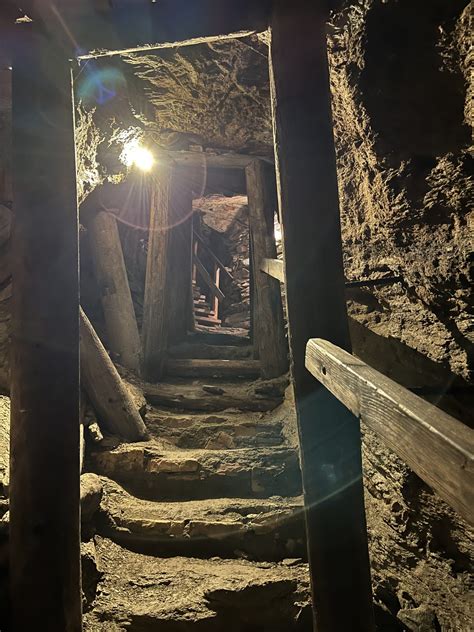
<point>437,447</point>
<point>274,268</point>
<point>215,291</point>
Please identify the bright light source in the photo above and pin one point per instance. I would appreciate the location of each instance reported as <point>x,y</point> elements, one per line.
<point>135,155</point>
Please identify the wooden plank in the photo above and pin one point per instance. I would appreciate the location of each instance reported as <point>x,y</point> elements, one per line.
<point>6,194</point>
<point>44,542</point>
<point>436,446</point>
<point>267,306</point>
<point>107,392</point>
<point>210,321</point>
<point>179,268</point>
<point>216,259</point>
<point>213,368</point>
<point>186,350</point>
<point>274,268</point>
<point>195,397</point>
<point>205,160</point>
<point>309,206</point>
<point>155,321</point>
<point>206,277</point>
<point>119,313</point>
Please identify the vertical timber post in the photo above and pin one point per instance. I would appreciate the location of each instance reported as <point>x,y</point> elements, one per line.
<point>180,266</point>
<point>117,304</point>
<point>330,441</point>
<point>155,328</point>
<point>266,305</point>
<point>45,438</point>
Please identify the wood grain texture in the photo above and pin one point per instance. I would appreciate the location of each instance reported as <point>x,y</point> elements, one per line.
<point>274,268</point>
<point>213,368</point>
<point>436,446</point>
<point>108,394</point>
<point>179,268</point>
<point>155,328</point>
<point>44,544</point>
<point>206,277</point>
<point>330,441</point>
<point>114,289</point>
<point>268,323</point>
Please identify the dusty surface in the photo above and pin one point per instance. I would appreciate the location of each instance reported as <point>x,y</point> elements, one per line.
<point>178,594</point>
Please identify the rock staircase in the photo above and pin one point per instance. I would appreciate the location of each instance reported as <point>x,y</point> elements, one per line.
<point>200,527</point>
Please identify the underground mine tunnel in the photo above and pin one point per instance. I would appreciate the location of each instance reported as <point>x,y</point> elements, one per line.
<point>236,316</point>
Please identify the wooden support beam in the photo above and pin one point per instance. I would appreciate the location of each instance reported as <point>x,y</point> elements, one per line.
<point>120,320</point>
<point>213,256</point>
<point>179,268</point>
<point>105,388</point>
<point>206,277</point>
<point>439,448</point>
<point>6,194</point>
<point>213,368</point>
<point>155,328</point>
<point>44,569</point>
<point>267,307</point>
<point>274,268</point>
<point>329,434</point>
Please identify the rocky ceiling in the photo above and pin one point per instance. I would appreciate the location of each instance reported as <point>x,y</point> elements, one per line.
<point>213,96</point>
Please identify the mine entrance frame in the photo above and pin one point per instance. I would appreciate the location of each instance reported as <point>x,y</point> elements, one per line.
<point>45,446</point>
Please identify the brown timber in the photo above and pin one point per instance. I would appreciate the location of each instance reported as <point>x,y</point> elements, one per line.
<point>269,329</point>
<point>44,542</point>
<point>179,268</point>
<point>155,329</point>
<point>439,448</point>
<point>107,392</point>
<point>117,304</point>
<point>329,434</point>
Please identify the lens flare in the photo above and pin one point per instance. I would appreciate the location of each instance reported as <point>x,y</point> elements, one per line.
<point>135,155</point>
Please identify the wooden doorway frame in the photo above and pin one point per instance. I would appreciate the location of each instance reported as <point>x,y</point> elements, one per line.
<point>309,208</point>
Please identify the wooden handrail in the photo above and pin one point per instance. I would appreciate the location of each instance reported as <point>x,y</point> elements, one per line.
<point>215,291</point>
<point>274,268</point>
<point>214,257</point>
<point>437,447</point>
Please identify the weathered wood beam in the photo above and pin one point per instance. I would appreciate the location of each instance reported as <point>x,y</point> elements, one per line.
<point>117,304</point>
<point>155,328</point>
<point>274,268</point>
<point>330,440</point>
<point>179,269</point>
<point>216,259</point>
<point>267,306</point>
<point>5,132</point>
<point>204,160</point>
<point>107,392</point>
<point>206,277</point>
<point>213,368</point>
<point>436,446</point>
<point>44,541</point>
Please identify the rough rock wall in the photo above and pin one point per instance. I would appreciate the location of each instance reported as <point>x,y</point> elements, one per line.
<point>401,104</point>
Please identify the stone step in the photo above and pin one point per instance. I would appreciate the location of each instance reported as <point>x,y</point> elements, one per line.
<point>228,336</point>
<point>187,350</point>
<point>199,396</point>
<point>270,529</point>
<point>213,368</point>
<point>154,473</point>
<point>139,593</point>
<point>208,321</point>
<point>229,431</point>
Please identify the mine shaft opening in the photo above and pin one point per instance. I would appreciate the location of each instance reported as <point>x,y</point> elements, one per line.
<point>148,129</point>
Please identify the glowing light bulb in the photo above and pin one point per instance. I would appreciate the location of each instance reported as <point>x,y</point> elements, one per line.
<point>134,155</point>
